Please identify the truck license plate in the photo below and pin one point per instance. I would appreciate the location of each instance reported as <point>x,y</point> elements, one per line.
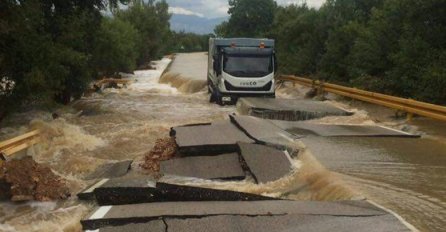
<point>226,99</point>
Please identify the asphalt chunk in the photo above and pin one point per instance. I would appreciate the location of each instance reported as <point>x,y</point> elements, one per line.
<point>174,192</point>
<point>110,170</point>
<point>123,191</point>
<point>226,167</point>
<point>287,109</point>
<point>88,193</point>
<point>152,226</point>
<point>140,213</point>
<point>304,128</point>
<point>267,223</point>
<point>285,223</point>
<point>265,163</point>
<point>262,131</point>
<point>217,138</point>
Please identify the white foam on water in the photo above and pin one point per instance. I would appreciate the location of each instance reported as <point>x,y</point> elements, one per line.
<point>147,81</point>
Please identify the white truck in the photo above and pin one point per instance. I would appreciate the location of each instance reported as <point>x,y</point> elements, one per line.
<point>239,67</point>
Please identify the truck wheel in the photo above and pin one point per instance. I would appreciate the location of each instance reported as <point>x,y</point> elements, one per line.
<point>212,98</point>
<point>219,101</point>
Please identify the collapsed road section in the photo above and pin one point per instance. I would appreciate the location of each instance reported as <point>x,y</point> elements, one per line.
<point>326,130</point>
<point>223,167</point>
<point>279,215</point>
<point>287,109</point>
<point>208,139</point>
<point>240,149</point>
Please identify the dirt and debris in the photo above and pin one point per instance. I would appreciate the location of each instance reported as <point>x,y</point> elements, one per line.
<point>164,149</point>
<point>28,180</point>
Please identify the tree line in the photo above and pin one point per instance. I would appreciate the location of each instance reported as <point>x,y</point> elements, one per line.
<point>395,47</point>
<point>50,50</point>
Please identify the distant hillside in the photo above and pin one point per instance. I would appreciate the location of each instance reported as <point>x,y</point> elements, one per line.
<point>195,24</point>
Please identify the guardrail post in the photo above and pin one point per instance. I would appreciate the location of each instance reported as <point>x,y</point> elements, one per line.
<point>2,158</point>
<point>320,89</point>
<point>409,117</point>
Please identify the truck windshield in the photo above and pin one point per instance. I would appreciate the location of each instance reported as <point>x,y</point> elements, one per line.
<point>248,66</point>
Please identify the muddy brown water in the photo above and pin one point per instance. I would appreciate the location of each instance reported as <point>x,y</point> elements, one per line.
<point>118,124</point>
<point>405,175</point>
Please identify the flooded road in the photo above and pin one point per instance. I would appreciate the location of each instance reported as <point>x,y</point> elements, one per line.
<point>118,124</point>
<point>405,175</point>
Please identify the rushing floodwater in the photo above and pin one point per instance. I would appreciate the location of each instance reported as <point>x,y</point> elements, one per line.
<point>405,175</point>
<point>118,124</point>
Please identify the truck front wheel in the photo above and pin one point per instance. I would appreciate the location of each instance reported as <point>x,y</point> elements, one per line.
<point>212,98</point>
<point>219,100</point>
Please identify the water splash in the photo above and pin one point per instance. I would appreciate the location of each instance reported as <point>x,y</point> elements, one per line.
<point>308,180</point>
<point>184,85</point>
<point>147,81</point>
<point>58,135</point>
<point>43,217</point>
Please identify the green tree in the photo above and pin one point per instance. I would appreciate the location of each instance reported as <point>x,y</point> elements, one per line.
<point>115,47</point>
<point>249,18</point>
<point>403,49</point>
<point>335,62</point>
<point>45,49</point>
<point>300,33</point>
<point>389,46</point>
<point>151,20</point>
<point>189,42</point>
<point>221,30</point>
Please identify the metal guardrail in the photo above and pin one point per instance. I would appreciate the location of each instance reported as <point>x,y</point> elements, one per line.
<point>19,143</point>
<point>408,105</point>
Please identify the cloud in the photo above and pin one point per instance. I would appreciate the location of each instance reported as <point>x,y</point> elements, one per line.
<point>219,8</point>
<point>182,11</point>
<point>207,8</point>
<point>310,3</point>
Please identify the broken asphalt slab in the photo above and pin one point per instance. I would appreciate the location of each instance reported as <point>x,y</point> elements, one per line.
<point>174,192</point>
<point>305,128</point>
<point>276,223</point>
<point>265,163</point>
<point>126,191</point>
<point>287,109</point>
<point>262,131</point>
<point>225,167</point>
<point>216,138</point>
<point>286,223</point>
<point>111,170</point>
<point>140,213</point>
<point>88,193</point>
<point>122,192</point>
<point>118,191</point>
<point>152,226</point>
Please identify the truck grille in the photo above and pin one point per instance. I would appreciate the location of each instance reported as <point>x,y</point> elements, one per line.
<point>230,87</point>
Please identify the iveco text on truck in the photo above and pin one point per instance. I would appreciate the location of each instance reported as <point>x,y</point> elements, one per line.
<point>240,67</point>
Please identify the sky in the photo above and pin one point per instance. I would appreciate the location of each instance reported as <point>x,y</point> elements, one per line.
<point>218,8</point>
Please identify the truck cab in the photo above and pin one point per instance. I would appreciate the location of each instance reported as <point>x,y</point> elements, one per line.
<point>240,67</point>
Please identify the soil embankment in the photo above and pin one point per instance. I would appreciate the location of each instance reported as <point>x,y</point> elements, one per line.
<point>26,180</point>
